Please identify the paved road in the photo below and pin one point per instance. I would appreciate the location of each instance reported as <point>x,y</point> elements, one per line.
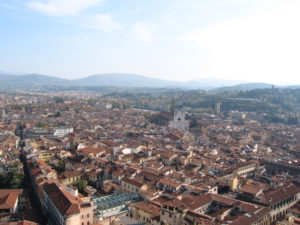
<point>35,213</point>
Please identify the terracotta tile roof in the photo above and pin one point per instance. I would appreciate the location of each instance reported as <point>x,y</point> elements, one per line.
<point>64,201</point>
<point>167,155</point>
<point>8,198</point>
<point>194,202</point>
<point>133,182</point>
<point>170,183</point>
<point>273,196</point>
<point>149,171</point>
<point>251,189</point>
<point>73,173</point>
<point>295,208</point>
<point>203,218</point>
<point>150,208</point>
<point>90,150</point>
<point>249,213</point>
<point>24,222</point>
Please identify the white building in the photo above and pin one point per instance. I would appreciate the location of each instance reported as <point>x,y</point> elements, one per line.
<point>62,131</point>
<point>236,115</point>
<point>179,121</point>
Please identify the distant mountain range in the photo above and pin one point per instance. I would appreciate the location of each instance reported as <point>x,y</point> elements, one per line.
<point>125,80</point>
<point>37,81</point>
<point>8,81</point>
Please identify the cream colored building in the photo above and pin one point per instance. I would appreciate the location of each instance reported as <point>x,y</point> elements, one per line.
<point>132,186</point>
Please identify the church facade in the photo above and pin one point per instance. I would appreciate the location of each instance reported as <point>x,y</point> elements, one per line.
<point>179,121</point>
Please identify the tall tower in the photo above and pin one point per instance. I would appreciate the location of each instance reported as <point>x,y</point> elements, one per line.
<point>218,108</point>
<point>172,107</point>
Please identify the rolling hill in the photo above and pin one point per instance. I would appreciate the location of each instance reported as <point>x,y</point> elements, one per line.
<point>123,80</point>
<point>8,81</point>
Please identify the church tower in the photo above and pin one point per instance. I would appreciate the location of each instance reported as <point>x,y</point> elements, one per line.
<point>172,107</point>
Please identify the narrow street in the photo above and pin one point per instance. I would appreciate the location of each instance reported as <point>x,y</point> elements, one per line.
<point>34,213</point>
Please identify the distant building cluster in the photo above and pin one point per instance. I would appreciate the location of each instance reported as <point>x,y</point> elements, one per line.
<point>97,164</point>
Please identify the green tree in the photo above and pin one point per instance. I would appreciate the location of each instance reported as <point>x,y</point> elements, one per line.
<point>58,100</point>
<point>147,115</point>
<point>16,180</point>
<point>58,114</point>
<point>40,124</point>
<point>60,168</point>
<point>12,180</point>
<point>81,185</point>
<point>292,120</point>
<point>193,123</point>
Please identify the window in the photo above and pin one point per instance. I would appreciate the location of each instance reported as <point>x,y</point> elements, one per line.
<point>88,215</point>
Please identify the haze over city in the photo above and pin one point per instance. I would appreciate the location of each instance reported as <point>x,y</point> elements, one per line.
<point>255,41</point>
<point>149,112</point>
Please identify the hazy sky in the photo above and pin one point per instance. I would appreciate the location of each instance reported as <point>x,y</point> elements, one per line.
<point>254,40</point>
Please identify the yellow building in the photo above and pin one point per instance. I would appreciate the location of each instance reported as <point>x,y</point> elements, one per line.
<point>132,186</point>
<point>71,177</point>
<point>46,155</point>
<point>146,212</point>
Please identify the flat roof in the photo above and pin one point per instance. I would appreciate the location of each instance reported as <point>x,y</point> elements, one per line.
<point>114,200</point>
